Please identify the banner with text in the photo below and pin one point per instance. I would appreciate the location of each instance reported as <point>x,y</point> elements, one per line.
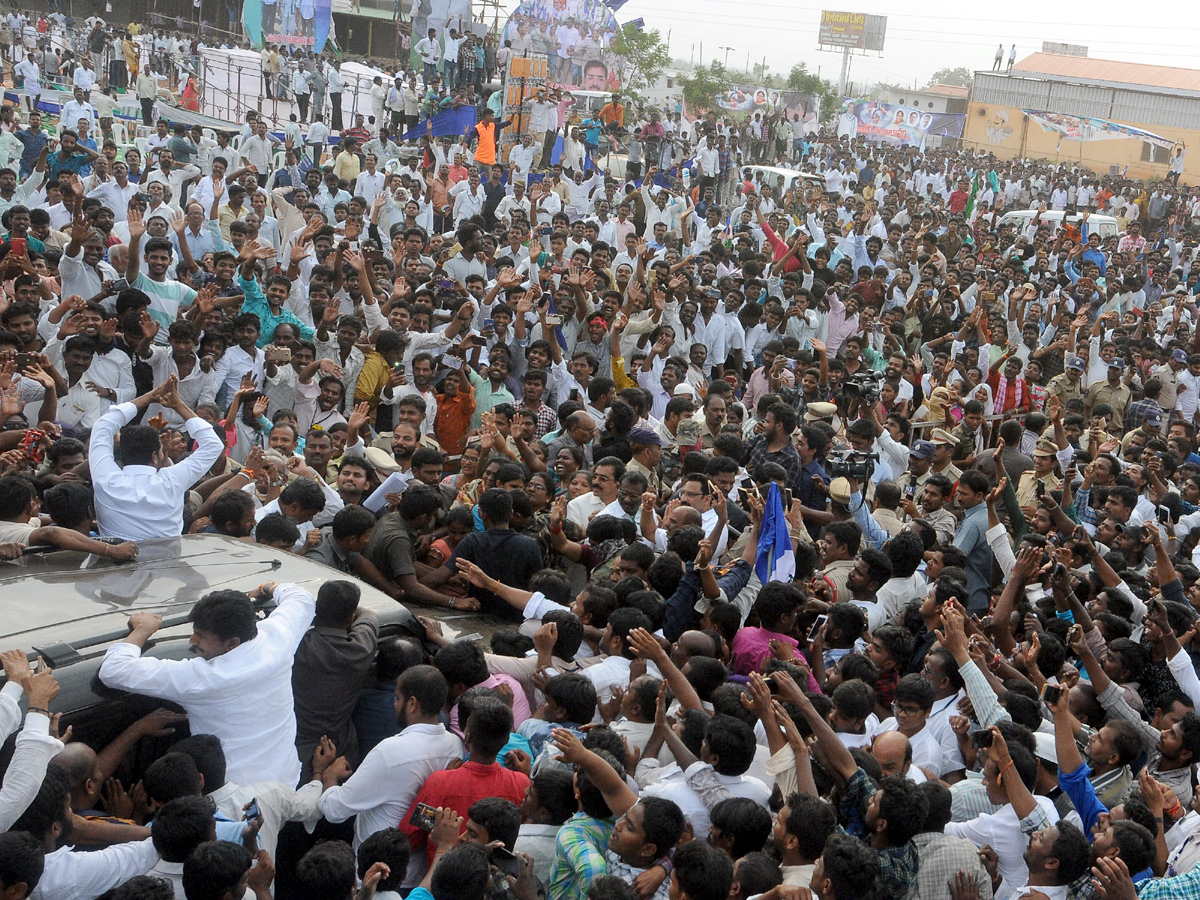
<point>299,23</point>
<point>890,123</point>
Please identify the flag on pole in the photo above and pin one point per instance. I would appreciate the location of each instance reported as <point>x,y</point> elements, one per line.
<point>638,24</point>
<point>969,211</point>
<point>776,561</point>
<point>614,5</point>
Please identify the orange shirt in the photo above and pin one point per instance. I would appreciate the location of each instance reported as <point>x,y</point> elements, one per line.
<point>485,150</point>
<point>610,113</point>
<point>453,419</point>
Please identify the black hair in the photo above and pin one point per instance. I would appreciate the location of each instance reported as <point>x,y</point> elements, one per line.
<point>229,509</point>
<point>897,643</point>
<point>1135,844</point>
<point>214,869</point>
<point>940,800</point>
<point>1073,852</point>
<point>389,846</point>
<point>276,528</point>
<point>171,775</point>
<point>489,726</point>
<point>144,887</point>
<point>501,818</point>
<point>591,799</point>
<point>180,827</point>
<point>326,872</point>
<point>208,755</point>
<point>555,786</point>
<point>22,860</point>
<point>461,662</point>
<point>853,698</point>
<point>744,821</point>
<point>757,873</point>
<point>776,600</point>
<point>305,493</point>
<point>226,615</point>
<point>706,674</point>
<point>337,600</point>
<point>851,866</point>
<point>570,632</point>
<point>663,823</point>
<point>610,887</point>
<point>702,871</point>
<point>903,807</point>
<point>917,689</point>
<point>70,504</point>
<point>732,740</point>
<point>576,695</point>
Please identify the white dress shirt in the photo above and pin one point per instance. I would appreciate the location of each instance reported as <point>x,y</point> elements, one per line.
<point>82,406</point>
<point>80,278</point>
<point>27,769</point>
<point>196,388</point>
<point>382,788</point>
<point>69,875</point>
<point>1001,831</point>
<point>677,790</point>
<point>138,503</point>
<point>244,696</point>
<point>277,803</point>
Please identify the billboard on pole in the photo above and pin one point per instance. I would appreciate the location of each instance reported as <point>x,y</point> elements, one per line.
<point>856,31</point>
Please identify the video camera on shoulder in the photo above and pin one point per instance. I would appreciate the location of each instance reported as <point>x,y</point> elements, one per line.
<point>864,385</point>
<point>852,464</point>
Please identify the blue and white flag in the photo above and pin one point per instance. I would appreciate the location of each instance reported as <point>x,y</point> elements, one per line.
<point>639,23</point>
<point>614,5</point>
<point>776,560</point>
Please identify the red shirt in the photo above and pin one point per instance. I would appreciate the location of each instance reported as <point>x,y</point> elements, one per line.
<point>459,789</point>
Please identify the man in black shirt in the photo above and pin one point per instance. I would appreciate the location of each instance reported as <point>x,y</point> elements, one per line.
<point>502,553</point>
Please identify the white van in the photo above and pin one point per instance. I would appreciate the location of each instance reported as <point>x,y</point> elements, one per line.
<point>1105,226</point>
<point>780,179</point>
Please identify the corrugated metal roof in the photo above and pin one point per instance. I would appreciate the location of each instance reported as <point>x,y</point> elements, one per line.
<point>948,90</point>
<point>1110,71</point>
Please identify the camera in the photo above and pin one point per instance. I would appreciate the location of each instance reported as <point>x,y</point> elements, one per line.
<point>852,464</point>
<point>863,385</point>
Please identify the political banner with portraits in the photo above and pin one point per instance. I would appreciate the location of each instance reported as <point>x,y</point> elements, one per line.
<point>890,123</point>
<point>576,35</point>
<point>771,101</point>
<point>1089,128</point>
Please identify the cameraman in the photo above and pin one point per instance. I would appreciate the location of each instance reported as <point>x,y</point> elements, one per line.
<point>860,434</point>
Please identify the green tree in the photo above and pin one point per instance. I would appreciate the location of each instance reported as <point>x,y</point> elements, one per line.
<point>800,79</point>
<point>961,77</point>
<point>703,85</point>
<point>643,55</point>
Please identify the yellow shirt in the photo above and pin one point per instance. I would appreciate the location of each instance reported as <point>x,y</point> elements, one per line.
<point>227,217</point>
<point>346,166</point>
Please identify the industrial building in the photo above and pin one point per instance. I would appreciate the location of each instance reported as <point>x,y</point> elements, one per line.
<point>1160,99</point>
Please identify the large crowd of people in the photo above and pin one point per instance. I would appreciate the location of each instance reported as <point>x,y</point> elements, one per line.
<point>712,454</point>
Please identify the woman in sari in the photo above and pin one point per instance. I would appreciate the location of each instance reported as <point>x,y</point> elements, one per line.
<point>190,98</point>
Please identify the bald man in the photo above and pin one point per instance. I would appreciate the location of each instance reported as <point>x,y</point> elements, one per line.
<point>89,769</point>
<point>695,643</point>
<point>894,754</point>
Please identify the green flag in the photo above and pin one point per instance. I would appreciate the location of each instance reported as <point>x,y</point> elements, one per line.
<point>969,211</point>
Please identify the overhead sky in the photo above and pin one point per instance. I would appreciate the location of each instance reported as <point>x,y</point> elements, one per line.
<point>920,37</point>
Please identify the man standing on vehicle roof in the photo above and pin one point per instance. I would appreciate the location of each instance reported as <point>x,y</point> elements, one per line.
<point>238,685</point>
